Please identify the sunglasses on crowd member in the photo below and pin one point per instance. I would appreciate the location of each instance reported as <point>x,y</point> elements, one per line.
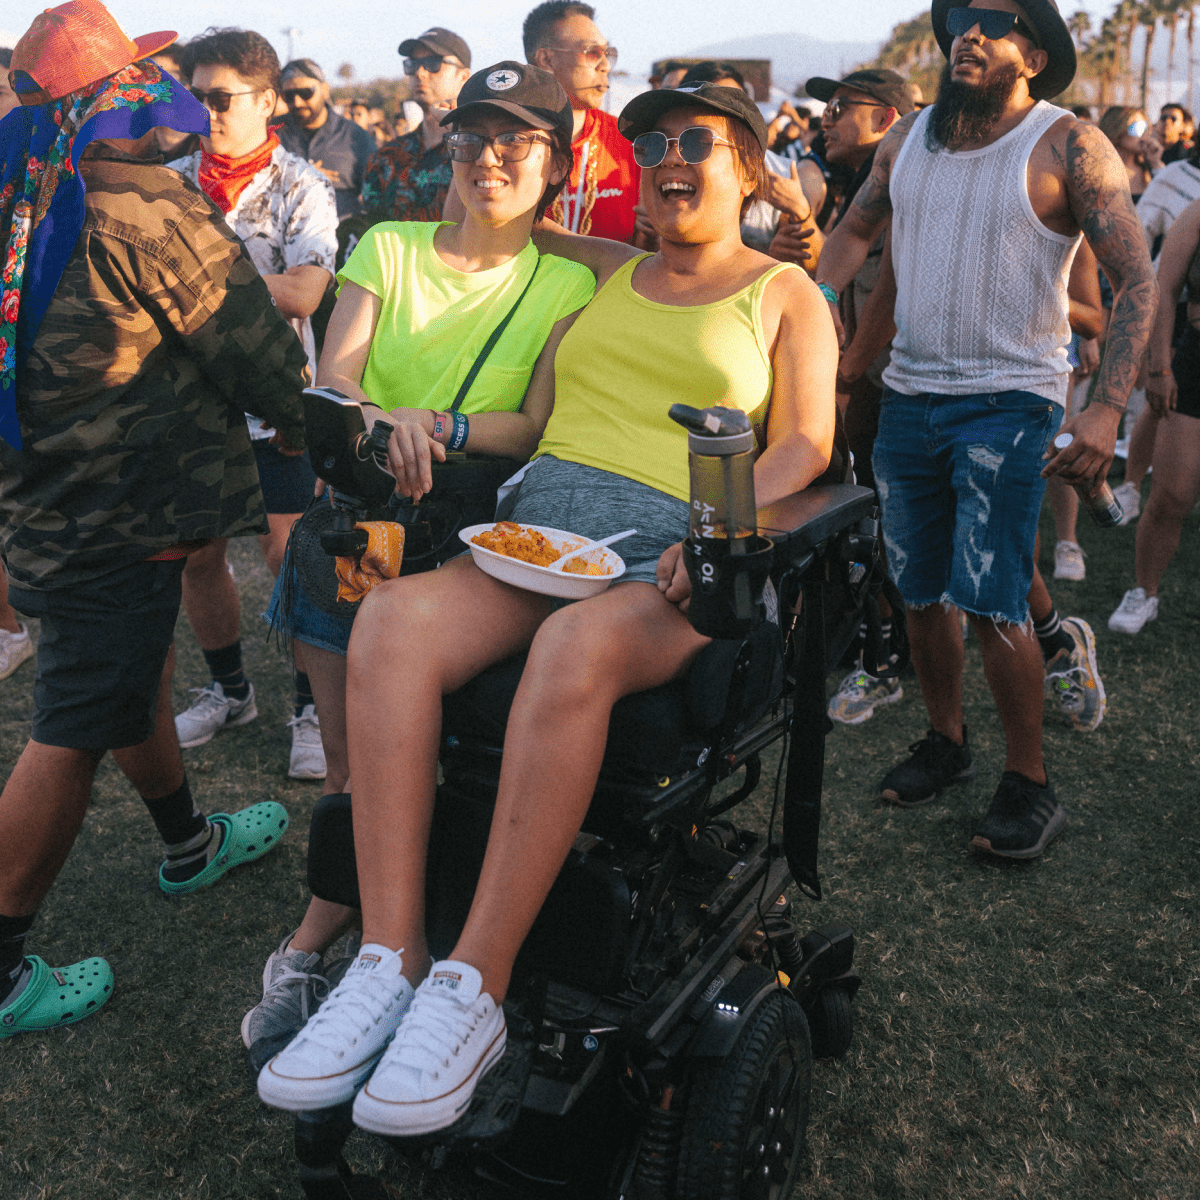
<point>291,95</point>
<point>1137,128</point>
<point>218,99</point>
<point>694,146</point>
<point>432,63</point>
<point>510,146</point>
<point>590,54</point>
<point>993,23</point>
<point>837,106</point>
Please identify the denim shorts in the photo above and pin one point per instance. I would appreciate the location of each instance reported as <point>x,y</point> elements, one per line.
<point>309,622</point>
<point>101,653</point>
<point>960,485</point>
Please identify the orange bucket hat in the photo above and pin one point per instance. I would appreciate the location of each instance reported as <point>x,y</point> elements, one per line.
<point>75,44</point>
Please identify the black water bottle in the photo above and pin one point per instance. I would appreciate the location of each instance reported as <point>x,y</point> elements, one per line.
<point>727,562</point>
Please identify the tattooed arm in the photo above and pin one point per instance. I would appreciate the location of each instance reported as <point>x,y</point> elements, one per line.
<point>1097,189</point>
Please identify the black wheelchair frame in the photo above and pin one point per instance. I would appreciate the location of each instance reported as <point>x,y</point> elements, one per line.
<point>664,1009</point>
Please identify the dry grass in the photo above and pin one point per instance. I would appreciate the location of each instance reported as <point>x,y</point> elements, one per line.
<point>1024,1030</point>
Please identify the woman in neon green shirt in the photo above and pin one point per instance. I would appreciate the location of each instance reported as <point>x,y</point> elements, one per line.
<point>418,300</point>
<point>705,320</point>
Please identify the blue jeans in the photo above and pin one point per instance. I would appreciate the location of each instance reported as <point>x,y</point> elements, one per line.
<point>960,485</point>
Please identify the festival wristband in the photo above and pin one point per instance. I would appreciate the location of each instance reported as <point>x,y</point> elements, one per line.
<point>1160,374</point>
<point>462,429</point>
<point>441,422</point>
<point>828,293</point>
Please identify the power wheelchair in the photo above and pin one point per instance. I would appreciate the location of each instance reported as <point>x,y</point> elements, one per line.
<point>664,1010</point>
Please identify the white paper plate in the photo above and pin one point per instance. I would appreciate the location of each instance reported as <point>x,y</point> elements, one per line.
<point>543,579</point>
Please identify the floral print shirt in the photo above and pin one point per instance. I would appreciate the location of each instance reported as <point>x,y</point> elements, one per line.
<point>406,182</point>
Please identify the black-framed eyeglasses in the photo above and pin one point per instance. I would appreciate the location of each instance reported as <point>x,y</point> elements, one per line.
<point>291,95</point>
<point>993,23</point>
<point>432,63</point>
<point>509,146</point>
<point>837,106</point>
<point>591,54</point>
<point>218,99</point>
<point>694,146</point>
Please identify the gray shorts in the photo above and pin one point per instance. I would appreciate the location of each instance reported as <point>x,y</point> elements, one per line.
<point>595,503</point>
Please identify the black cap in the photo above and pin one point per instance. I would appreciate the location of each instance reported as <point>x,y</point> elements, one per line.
<point>437,41</point>
<point>642,112</point>
<point>886,86</point>
<point>302,66</point>
<point>525,91</point>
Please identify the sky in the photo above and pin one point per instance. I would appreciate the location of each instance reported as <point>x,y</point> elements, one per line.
<point>366,33</point>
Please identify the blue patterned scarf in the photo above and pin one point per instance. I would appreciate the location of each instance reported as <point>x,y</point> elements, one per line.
<point>42,195</point>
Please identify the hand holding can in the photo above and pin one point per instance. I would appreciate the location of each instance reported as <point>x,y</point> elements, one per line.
<point>1104,506</point>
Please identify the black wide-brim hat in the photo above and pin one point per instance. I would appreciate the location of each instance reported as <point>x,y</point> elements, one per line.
<point>1043,17</point>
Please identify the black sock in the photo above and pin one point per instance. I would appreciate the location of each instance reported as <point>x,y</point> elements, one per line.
<point>303,693</point>
<point>185,860</point>
<point>1051,636</point>
<point>13,931</point>
<point>176,816</point>
<point>225,666</point>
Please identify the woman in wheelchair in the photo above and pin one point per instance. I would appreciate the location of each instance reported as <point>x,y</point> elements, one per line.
<point>413,313</point>
<point>705,320</point>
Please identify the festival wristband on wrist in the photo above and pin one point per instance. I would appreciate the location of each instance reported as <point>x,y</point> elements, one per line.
<point>1160,374</point>
<point>441,422</point>
<point>462,430</point>
<point>828,293</point>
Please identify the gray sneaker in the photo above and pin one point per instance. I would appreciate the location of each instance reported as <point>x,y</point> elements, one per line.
<point>210,714</point>
<point>293,989</point>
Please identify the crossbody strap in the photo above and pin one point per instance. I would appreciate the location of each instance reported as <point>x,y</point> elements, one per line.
<point>491,342</point>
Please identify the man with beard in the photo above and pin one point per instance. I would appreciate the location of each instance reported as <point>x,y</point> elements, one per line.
<point>988,193</point>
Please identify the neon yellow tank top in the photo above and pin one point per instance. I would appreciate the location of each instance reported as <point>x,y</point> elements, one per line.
<point>627,359</point>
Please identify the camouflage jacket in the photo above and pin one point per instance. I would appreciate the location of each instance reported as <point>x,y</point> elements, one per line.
<point>160,334</point>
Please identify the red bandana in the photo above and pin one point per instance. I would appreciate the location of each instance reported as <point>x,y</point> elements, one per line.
<point>224,179</point>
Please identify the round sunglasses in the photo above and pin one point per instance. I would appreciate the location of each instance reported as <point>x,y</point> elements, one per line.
<point>694,146</point>
<point>509,146</point>
<point>993,23</point>
<point>1137,128</point>
<point>219,99</point>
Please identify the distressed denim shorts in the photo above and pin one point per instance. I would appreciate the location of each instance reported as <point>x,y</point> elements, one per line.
<point>960,486</point>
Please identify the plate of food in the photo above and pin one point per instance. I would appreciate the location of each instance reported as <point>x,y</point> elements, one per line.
<point>523,555</point>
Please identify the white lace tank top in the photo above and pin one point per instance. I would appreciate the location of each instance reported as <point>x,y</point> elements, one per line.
<point>981,302</point>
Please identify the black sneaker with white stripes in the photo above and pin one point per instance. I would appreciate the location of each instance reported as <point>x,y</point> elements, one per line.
<point>1022,819</point>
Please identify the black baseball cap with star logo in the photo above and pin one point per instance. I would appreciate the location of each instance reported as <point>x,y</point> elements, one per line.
<point>525,91</point>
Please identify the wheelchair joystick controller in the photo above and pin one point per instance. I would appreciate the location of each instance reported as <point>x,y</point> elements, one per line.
<point>727,562</point>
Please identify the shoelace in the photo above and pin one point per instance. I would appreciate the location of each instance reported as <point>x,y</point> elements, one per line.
<point>209,700</point>
<point>279,994</point>
<point>444,1022</point>
<point>362,999</point>
<point>308,730</point>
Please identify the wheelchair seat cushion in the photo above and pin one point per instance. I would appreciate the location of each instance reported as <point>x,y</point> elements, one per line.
<point>648,731</point>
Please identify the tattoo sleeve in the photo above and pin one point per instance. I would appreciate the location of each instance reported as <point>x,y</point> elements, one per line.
<point>1098,189</point>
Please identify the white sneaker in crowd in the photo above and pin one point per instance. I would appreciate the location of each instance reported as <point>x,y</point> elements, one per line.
<point>1130,500</point>
<point>308,755</point>
<point>451,1036</point>
<point>15,648</point>
<point>331,1057</point>
<point>213,712</point>
<point>1068,561</point>
<point>1134,611</point>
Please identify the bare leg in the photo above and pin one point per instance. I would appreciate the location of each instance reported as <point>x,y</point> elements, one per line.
<point>935,637</point>
<point>1040,603</point>
<point>323,924</point>
<point>1174,487</point>
<point>583,659</point>
<point>41,810</point>
<point>155,767</point>
<point>210,597</point>
<point>1141,446</point>
<point>415,640</point>
<point>8,616</point>
<point>274,544</point>
<point>1012,661</point>
<point>327,674</point>
<point>1064,501</point>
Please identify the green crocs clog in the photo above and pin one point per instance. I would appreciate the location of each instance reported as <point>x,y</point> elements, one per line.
<point>246,835</point>
<point>57,996</point>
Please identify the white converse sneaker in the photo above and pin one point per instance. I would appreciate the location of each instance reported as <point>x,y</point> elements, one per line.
<point>1130,500</point>
<point>15,648</point>
<point>1134,611</point>
<point>1068,561</point>
<point>449,1039</point>
<point>210,714</point>
<point>308,755</point>
<point>333,1054</point>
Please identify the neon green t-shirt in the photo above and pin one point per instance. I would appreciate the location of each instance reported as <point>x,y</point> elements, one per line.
<point>435,320</point>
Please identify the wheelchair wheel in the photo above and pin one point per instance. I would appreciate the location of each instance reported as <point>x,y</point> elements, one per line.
<point>830,1023</point>
<point>744,1131</point>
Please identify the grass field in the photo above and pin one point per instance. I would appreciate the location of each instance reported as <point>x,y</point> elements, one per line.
<point>1023,1030</point>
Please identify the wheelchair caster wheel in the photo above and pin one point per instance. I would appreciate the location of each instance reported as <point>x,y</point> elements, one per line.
<point>830,1022</point>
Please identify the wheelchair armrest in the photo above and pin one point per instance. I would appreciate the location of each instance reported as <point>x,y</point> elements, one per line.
<point>802,521</point>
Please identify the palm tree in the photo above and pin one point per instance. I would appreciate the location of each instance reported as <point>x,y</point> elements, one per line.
<point>1171,12</point>
<point>1148,14</point>
<point>1080,25</point>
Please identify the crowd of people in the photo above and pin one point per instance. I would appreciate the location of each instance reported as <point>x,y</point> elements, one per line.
<point>197,233</point>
